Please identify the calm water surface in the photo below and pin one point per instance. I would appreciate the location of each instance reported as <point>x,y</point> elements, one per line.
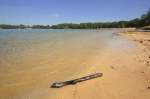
<point>32,59</point>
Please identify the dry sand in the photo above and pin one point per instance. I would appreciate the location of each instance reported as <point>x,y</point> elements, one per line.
<point>126,73</point>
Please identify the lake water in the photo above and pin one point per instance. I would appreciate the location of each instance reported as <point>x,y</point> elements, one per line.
<point>31,59</point>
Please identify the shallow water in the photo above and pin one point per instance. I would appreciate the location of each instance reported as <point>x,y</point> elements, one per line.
<point>30,60</point>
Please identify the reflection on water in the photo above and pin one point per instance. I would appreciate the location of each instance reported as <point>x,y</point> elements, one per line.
<point>31,59</point>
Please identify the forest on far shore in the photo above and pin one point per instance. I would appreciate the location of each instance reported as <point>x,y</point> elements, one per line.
<point>144,20</point>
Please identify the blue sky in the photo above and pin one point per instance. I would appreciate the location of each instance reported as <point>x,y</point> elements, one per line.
<point>67,11</point>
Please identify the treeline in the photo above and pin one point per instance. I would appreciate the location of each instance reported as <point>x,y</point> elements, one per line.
<point>144,20</point>
<point>5,26</point>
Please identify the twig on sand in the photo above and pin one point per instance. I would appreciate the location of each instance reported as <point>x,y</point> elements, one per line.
<point>75,81</point>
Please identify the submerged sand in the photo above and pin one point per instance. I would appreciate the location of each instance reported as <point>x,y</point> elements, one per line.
<point>124,62</point>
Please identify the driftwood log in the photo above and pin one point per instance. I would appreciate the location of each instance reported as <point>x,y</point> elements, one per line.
<point>74,81</point>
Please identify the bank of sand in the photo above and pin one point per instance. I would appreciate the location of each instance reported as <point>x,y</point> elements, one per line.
<point>126,72</point>
<point>125,64</point>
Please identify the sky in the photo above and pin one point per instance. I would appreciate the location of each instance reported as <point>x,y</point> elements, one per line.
<point>69,11</point>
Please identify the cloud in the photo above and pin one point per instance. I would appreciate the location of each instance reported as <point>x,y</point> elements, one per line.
<point>56,15</point>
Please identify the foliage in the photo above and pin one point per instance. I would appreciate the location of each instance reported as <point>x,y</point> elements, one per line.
<point>144,20</point>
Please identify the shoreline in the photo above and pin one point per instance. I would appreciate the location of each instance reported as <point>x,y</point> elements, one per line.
<point>142,42</point>
<point>124,73</point>
<point>122,58</point>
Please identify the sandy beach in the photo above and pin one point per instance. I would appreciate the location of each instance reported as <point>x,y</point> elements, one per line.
<point>124,61</point>
<point>126,72</point>
<point>74,49</point>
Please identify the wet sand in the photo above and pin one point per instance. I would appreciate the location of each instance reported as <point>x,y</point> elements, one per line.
<point>120,59</point>
<point>126,72</point>
<point>142,42</point>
